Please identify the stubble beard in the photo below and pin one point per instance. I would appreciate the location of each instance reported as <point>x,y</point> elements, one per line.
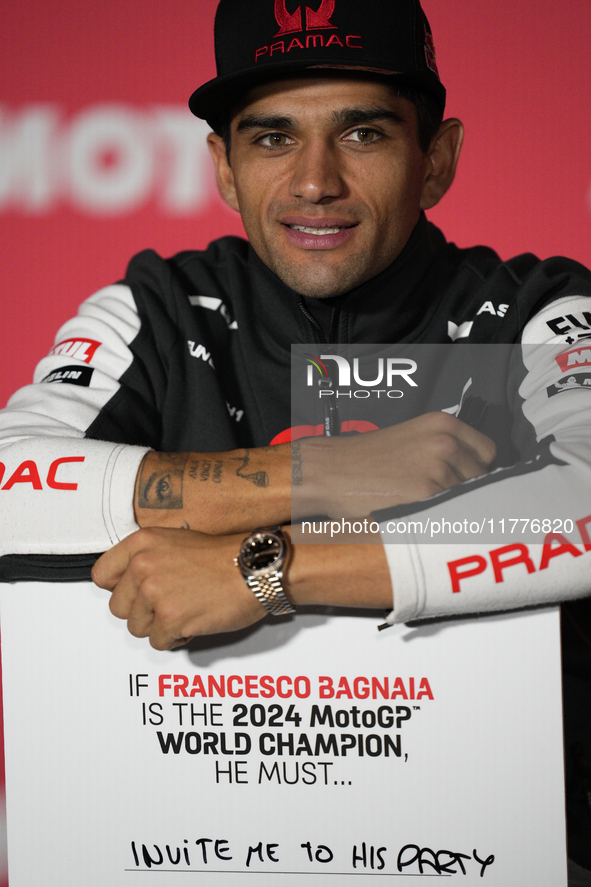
<point>318,280</point>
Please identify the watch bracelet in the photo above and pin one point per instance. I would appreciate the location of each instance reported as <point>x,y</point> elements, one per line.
<point>269,591</point>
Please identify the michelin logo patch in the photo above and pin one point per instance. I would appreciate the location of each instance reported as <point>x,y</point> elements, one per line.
<point>580,380</point>
<point>74,375</point>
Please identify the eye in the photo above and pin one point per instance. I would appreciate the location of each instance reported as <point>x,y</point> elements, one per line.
<point>163,488</point>
<point>363,135</point>
<point>274,140</point>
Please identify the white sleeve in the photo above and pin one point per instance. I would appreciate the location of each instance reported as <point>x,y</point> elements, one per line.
<point>60,492</point>
<point>433,580</point>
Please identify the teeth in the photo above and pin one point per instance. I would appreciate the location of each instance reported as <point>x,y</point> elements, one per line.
<point>315,230</point>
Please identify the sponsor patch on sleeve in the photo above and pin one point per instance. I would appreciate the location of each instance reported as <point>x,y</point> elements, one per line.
<point>567,383</point>
<point>80,349</point>
<point>73,375</point>
<point>575,358</point>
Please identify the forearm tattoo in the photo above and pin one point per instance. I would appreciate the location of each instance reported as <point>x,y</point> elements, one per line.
<point>258,478</point>
<point>297,476</point>
<point>162,486</point>
<point>161,482</point>
<point>206,469</point>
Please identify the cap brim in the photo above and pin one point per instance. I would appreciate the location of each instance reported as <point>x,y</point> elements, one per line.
<point>217,97</point>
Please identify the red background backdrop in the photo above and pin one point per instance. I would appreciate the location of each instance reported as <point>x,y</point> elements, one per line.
<point>100,158</point>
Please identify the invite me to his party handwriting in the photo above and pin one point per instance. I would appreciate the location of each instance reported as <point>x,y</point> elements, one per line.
<point>217,854</point>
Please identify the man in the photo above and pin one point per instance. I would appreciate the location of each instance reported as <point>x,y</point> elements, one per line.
<point>330,143</point>
<point>329,140</point>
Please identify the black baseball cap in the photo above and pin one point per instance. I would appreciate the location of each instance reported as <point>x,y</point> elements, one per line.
<point>262,40</point>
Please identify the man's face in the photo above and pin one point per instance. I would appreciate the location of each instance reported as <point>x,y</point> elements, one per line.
<point>328,176</point>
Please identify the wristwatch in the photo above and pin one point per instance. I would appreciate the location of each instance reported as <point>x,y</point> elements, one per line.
<point>262,560</point>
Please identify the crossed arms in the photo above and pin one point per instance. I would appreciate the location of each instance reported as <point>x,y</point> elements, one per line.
<point>64,493</point>
<point>176,578</point>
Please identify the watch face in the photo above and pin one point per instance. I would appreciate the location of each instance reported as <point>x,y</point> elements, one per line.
<point>261,552</point>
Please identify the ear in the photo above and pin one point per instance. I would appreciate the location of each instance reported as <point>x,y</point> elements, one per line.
<point>442,159</point>
<point>223,170</point>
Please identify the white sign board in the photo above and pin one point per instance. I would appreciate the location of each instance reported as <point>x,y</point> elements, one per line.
<point>309,748</point>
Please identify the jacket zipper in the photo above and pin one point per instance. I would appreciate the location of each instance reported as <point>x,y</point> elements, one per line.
<point>332,422</point>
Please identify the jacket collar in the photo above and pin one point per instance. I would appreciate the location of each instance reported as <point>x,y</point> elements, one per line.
<point>391,307</point>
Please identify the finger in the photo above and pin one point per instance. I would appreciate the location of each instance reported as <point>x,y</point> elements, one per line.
<point>162,638</point>
<point>110,567</point>
<point>463,466</point>
<point>160,614</point>
<point>123,596</point>
<point>180,642</point>
<point>446,459</point>
<point>482,448</point>
<point>141,617</point>
<point>469,466</point>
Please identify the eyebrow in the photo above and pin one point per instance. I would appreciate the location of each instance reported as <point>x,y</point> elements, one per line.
<point>342,117</point>
<point>256,121</point>
<point>358,116</point>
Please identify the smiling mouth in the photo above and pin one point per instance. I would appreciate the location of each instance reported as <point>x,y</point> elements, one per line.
<point>320,231</point>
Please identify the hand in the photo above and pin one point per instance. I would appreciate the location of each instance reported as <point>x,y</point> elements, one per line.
<point>351,476</point>
<point>171,585</point>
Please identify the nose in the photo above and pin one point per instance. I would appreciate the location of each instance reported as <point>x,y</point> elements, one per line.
<point>317,175</point>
